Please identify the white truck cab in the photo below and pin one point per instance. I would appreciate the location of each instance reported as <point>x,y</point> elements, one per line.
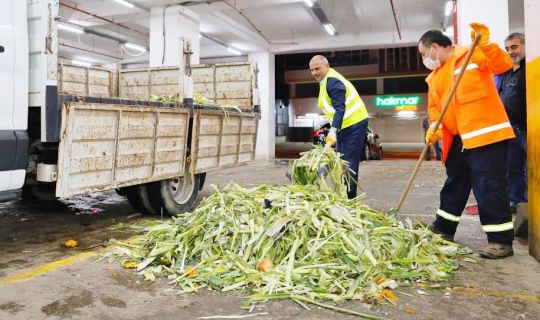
<point>14,64</point>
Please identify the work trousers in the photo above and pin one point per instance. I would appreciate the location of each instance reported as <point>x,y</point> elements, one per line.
<point>350,143</point>
<point>483,170</point>
<point>517,167</point>
<point>438,151</point>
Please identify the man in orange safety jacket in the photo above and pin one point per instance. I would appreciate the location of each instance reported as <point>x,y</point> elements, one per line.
<point>475,130</point>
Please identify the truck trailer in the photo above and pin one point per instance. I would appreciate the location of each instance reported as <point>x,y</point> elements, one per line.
<point>67,130</point>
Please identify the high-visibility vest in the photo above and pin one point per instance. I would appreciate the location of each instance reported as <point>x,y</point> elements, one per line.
<point>476,113</point>
<point>355,110</point>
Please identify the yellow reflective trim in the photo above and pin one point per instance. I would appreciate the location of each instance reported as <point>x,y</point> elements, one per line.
<point>447,216</point>
<point>498,227</point>
<point>469,67</point>
<point>328,107</point>
<point>353,109</point>
<point>485,130</point>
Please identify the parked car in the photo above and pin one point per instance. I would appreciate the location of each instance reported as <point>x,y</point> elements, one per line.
<point>372,147</point>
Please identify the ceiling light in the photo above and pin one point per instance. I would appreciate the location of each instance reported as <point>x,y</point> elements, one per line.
<point>81,63</point>
<point>135,46</point>
<point>125,3</point>
<point>69,28</point>
<point>309,3</point>
<point>329,28</point>
<point>448,8</point>
<point>233,50</point>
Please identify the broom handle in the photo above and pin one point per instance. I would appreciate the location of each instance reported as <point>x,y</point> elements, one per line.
<point>439,119</point>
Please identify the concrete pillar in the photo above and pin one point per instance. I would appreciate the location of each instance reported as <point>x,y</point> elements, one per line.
<point>179,22</point>
<point>380,85</point>
<point>266,140</point>
<point>493,13</point>
<point>532,46</point>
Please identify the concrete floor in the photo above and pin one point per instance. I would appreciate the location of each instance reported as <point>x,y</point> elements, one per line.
<point>40,279</point>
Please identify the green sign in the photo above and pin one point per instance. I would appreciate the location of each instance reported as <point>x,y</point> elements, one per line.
<point>398,102</point>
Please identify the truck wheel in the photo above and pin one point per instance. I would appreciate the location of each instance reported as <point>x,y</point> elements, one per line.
<point>138,198</point>
<point>175,196</point>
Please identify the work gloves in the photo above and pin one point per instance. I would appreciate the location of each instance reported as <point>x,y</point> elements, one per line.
<point>331,138</point>
<point>483,31</point>
<point>433,134</point>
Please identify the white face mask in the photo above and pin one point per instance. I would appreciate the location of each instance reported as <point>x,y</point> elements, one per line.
<point>430,63</point>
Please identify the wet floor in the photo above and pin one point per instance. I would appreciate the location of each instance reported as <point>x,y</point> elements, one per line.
<point>41,279</point>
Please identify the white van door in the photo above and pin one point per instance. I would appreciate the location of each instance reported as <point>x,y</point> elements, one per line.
<point>14,95</point>
<point>7,63</point>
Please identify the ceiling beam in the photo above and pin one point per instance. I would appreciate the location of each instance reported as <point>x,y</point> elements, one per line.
<point>102,18</point>
<point>383,39</point>
<point>225,22</point>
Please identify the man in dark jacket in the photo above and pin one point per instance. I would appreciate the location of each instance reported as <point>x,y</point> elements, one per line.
<point>512,91</point>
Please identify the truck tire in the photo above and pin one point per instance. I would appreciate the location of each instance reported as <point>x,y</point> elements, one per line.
<point>139,199</point>
<point>175,196</point>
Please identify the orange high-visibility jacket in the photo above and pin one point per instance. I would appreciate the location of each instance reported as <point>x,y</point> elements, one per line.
<point>476,112</point>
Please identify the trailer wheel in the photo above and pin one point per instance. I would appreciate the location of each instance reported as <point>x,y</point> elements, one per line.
<point>175,196</point>
<point>138,198</point>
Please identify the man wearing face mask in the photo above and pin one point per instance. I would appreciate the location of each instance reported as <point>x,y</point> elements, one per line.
<point>475,130</point>
<point>341,104</point>
<point>512,90</point>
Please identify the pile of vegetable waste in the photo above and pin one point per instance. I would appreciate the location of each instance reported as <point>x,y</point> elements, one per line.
<point>198,99</point>
<point>299,242</point>
<point>323,168</point>
<point>173,98</point>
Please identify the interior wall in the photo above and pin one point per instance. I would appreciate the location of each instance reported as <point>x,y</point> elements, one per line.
<point>385,122</point>
<point>179,23</point>
<point>496,18</point>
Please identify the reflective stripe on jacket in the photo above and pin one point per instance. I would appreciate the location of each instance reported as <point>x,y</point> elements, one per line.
<point>476,112</point>
<point>355,110</point>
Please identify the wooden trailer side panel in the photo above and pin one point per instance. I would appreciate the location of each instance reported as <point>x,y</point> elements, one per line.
<point>86,81</point>
<point>222,139</point>
<point>105,146</point>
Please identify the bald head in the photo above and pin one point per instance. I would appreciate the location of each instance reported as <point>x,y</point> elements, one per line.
<point>319,66</point>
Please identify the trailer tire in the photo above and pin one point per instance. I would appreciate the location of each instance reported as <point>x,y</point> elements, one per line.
<point>139,199</point>
<point>175,196</point>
